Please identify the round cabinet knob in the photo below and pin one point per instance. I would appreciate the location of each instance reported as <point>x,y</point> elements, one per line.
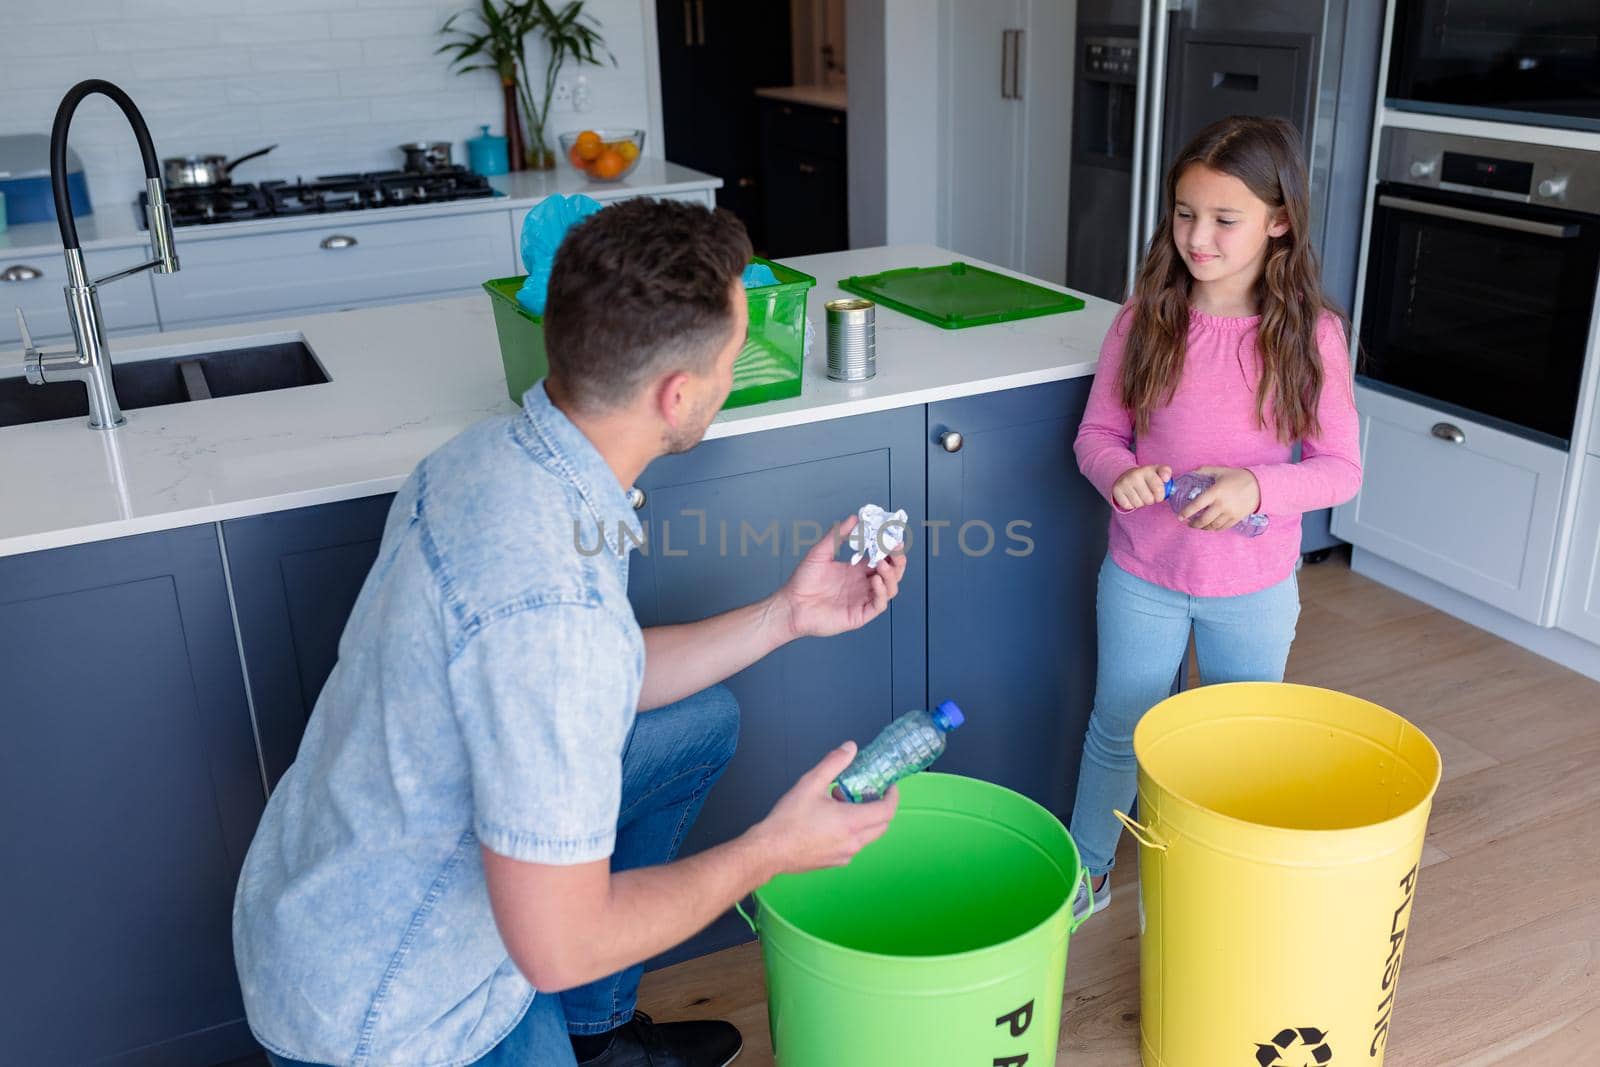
<point>636,497</point>
<point>1553,188</point>
<point>951,441</point>
<point>1444,431</point>
<point>1421,168</point>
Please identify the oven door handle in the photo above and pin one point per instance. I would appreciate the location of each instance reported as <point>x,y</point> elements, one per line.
<point>1485,218</point>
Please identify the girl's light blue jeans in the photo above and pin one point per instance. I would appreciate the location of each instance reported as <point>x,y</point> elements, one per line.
<point>1144,635</point>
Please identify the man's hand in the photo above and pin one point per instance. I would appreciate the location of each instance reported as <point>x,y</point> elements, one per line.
<point>808,830</point>
<point>1234,496</point>
<point>825,596</point>
<point>1139,487</point>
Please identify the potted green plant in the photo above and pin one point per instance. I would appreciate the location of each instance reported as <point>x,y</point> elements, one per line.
<point>499,43</point>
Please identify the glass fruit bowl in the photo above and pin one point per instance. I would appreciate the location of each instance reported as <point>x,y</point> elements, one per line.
<point>603,155</point>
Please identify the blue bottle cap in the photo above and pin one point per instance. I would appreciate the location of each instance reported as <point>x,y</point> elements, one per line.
<point>950,714</point>
<point>1171,487</point>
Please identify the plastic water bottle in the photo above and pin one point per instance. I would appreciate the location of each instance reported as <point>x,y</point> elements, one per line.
<point>1184,488</point>
<point>909,744</point>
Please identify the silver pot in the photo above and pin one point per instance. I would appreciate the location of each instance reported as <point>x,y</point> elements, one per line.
<point>425,157</point>
<point>191,172</point>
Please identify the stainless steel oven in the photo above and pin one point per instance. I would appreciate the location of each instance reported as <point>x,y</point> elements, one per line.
<point>1482,265</point>
<point>1531,61</point>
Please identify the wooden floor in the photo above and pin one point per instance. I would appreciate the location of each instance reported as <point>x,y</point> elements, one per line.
<point>1503,961</point>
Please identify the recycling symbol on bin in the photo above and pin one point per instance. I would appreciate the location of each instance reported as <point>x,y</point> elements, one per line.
<point>1303,1046</point>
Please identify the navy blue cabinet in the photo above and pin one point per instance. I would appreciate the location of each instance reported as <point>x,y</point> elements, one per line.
<point>760,501</point>
<point>1011,585</point>
<point>295,577</point>
<point>129,788</point>
<point>726,524</point>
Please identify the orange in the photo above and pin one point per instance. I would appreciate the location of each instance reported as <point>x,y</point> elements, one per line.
<point>628,151</point>
<point>588,145</point>
<point>609,165</point>
<point>577,159</point>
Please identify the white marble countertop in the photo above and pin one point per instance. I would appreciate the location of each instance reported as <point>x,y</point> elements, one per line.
<point>114,225</point>
<point>835,99</point>
<point>406,378</point>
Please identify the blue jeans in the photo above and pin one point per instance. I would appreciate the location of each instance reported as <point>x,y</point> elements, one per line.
<point>1144,634</point>
<point>673,757</point>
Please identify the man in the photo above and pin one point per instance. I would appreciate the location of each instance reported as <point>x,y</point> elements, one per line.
<point>481,822</point>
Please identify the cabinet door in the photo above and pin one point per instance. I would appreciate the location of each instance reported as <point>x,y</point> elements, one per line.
<point>1580,601</point>
<point>346,263</point>
<point>129,790</point>
<point>757,496</point>
<point>296,575</point>
<point>1477,514</point>
<point>1011,586</point>
<point>806,196</point>
<point>714,55</point>
<point>765,498</point>
<point>986,175</point>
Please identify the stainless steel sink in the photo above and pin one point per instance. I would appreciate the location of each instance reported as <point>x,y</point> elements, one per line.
<point>169,380</point>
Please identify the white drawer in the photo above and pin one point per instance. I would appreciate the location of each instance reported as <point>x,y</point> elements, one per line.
<point>124,304</point>
<point>1478,516</point>
<point>1579,612</point>
<point>346,263</point>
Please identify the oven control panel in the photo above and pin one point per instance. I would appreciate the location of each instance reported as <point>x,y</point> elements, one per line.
<point>1507,170</point>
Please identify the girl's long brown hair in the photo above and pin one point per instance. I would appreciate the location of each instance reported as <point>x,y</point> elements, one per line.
<point>1267,155</point>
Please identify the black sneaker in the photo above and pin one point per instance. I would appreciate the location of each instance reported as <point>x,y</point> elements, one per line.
<point>644,1043</point>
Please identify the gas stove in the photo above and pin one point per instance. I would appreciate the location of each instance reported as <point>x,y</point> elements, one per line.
<point>238,202</point>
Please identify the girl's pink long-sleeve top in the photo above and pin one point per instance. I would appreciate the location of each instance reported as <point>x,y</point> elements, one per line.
<point>1212,421</point>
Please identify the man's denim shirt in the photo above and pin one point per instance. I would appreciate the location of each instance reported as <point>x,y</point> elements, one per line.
<point>486,684</point>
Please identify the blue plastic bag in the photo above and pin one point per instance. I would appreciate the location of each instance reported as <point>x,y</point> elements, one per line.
<point>542,232</point>
<point>758,274</point>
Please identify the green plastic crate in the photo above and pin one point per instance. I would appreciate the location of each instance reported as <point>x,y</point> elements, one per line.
<point>957,295</point>
<point>767,368</point>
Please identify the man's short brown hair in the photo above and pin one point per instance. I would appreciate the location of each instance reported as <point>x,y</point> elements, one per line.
<point>640,289</point>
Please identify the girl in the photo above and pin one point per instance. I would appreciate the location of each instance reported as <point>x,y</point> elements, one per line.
<point>1227,353</point>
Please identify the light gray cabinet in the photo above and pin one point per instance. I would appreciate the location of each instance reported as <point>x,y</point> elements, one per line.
<point>1007,97</point>
<point>1477,513</point>
<point>1579,612</point>
<point>344,263</point>
<point>34,283</point>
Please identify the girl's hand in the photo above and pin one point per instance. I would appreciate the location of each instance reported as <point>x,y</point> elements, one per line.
<point>1139,487</point>
<point>1226,504</point>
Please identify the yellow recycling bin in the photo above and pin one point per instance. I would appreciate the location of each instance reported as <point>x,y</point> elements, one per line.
<point>1280,830</point>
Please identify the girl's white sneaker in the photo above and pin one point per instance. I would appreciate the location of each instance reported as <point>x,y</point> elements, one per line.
<point>1082,907</point>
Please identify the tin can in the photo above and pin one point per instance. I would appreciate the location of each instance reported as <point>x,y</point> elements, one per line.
<point>852,342</point>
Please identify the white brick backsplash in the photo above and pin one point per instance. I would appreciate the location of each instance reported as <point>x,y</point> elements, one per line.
<point>415,53</point>
<point>266,89</point>
<point>403,81</point>
<point>274,29</point>
<point>31,12</point>
<point>212,61</point>
<point>148,35</point>
<point>56,74</point>
<point>183,9</point>
<point>36,40</point>
<point>413,22</point>
<point>336,83</point>
<point>303,56</point>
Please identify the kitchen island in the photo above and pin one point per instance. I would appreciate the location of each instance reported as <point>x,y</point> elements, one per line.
<point>172,595</point>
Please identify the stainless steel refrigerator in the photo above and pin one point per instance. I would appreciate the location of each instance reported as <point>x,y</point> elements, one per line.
<point>1150,74</point>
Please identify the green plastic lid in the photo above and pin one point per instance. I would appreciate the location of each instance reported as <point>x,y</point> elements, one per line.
<point>957,295</point>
